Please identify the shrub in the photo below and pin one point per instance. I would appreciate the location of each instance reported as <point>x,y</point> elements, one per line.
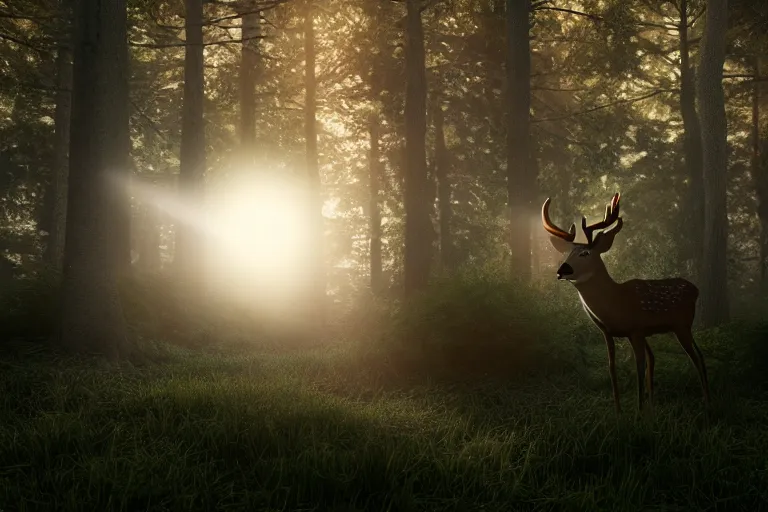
<point>740,349</point>
<point>479,323</point>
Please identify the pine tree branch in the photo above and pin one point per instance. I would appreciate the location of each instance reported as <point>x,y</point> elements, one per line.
<point>604,106</point>
<point>182,44</point>
<point>23,43</point>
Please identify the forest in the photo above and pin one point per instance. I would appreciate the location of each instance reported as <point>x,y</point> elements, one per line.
<point>395,255</point>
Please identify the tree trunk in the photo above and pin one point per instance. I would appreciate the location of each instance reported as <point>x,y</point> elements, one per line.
<point>520,179</point>
<point>192,154</point>
<point>418,224</point>
<point>317,292</point>
<point>535,222</point>
<point>693,216</point>
<point>374,176</point>
<point>375,170</point>
<point>374,165</point>
<point>444,193</point>
<point>124,212</point>
<point>759,167</point>
<point>54,251</point>
<point>248,66</point>
<point>91,314</point>
<point>714,282</point>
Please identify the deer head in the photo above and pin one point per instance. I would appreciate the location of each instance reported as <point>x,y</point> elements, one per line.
<point>583,260</point>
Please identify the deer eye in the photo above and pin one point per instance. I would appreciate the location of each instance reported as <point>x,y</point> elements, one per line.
<point>583,253</point>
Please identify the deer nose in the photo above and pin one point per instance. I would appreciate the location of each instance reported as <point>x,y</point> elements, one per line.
<point>564,270</point>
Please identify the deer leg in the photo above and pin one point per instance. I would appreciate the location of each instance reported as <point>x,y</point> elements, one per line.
<point>639,343</point>
<point>650,363</point>
<point>685,337</point>
<point>609,341</point>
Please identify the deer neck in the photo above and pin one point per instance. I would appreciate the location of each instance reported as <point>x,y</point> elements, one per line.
<point>597,289</point>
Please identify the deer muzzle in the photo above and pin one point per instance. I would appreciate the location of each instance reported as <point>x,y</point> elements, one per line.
<point>564,271</point>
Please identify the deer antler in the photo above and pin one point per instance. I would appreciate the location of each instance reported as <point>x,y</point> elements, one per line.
<point>611,216</point>
<point>568,236</point>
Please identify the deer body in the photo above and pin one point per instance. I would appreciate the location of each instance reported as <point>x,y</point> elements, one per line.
<point>640,307</point>
<point>634,309</point>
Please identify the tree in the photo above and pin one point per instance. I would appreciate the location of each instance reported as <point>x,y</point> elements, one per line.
<point>192,154</point>
<point>444,188</point>
<point>759,169</point>
<point>375,170</point>
<point>520,180</point>
<point>692,149</point>
<point>55,245</point>
<point>251,21</point>
<point>418,226</point>
<point>91,313</point>
<point>714,131</point>
<point>317,259</point>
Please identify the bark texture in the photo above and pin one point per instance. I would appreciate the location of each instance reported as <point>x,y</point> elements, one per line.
<point>54,251</point>
<point>444,191</point>
<point>418,225</point>
<point>91,314</point>
<point>694,212</point>
<point>520,178</point>
<point>374,188</point>
<point>317,292</point>
<point>714,279</point>
<point>192,154</point>
<point>759,168</point>
<point>249,61</point>
<point>375,168</point>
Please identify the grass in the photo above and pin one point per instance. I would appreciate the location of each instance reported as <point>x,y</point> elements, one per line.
<point>317,430</point>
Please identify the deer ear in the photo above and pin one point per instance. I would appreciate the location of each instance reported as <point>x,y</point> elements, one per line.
<point>604,239</point>
<point>560,245</point>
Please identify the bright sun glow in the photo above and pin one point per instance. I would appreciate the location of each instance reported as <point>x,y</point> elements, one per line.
<point>255,230</point>
<point>261,226</point>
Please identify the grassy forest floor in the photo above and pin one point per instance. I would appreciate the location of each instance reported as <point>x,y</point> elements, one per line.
<point>308,432</point>
<point>327,428</point>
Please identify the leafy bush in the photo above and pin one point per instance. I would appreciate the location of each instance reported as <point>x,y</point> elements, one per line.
<point>479,323</point>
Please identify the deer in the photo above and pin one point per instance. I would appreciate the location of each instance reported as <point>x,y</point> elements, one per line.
<point>634,309</point>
